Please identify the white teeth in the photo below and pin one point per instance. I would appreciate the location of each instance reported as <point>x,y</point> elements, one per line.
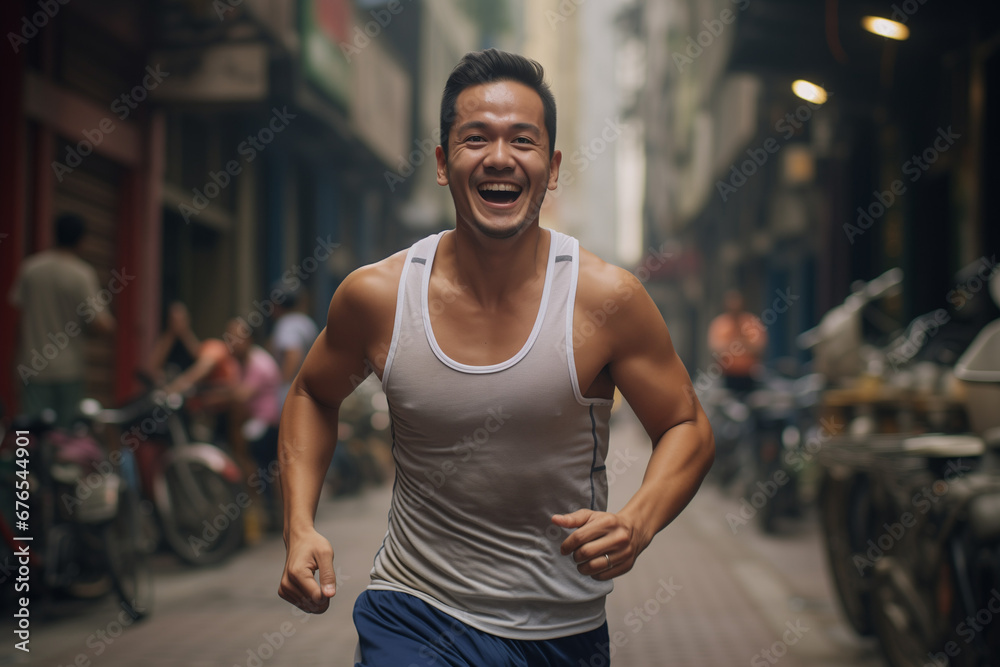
<point>500,187</point>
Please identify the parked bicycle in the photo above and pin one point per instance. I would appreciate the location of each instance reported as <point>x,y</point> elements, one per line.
<point>82,512</point>
<point>196,489</point>
<point>912,518</point>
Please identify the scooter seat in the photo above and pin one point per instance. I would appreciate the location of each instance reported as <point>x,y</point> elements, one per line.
<point>944,445</point>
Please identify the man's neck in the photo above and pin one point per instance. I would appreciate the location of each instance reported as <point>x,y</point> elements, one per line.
<point>493,268</point>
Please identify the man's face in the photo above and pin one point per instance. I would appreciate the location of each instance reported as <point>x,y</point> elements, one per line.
<point>239,344</point>
<point>498,166</point>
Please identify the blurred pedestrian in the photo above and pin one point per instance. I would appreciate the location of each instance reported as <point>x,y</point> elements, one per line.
<point>737,340</point>
<point>500,385</point>
<point>57,293</point>
<point>177,347</point>
<point>255,400</point>
<point>293,335</point>
<point>208,382</point>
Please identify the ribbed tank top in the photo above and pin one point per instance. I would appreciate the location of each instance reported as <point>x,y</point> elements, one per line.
<point>485,455</point>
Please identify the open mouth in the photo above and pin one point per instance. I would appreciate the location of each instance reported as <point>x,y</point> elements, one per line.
<point>499,193</point>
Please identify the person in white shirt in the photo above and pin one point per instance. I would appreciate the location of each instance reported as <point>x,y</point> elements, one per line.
<point>293,335</point>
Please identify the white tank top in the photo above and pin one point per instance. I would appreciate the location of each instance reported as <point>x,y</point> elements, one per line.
<point>485,455</point>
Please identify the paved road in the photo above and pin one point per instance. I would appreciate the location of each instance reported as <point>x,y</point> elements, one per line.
<point>699,596</point>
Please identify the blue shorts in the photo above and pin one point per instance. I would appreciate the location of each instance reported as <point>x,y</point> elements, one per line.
<point>400,630</point>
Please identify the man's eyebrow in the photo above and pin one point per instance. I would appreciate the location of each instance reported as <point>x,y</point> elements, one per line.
<point>527,127</point>
<point>472,125</point>
<point>482,125</point>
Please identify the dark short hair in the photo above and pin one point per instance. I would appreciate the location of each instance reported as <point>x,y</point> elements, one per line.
<point>284,295</point>
<point>69,230</point>
<point>489,66</point>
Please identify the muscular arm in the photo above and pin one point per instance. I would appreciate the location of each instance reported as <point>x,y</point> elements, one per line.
<point>161,350</point>
<point>653,380</point>
<point>336,364</point>
<point>646,368</point>
<point>200,370</point>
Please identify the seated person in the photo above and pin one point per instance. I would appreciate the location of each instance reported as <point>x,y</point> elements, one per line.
<point>210,376</point>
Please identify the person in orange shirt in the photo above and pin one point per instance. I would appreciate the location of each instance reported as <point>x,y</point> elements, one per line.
<point>213,366</point>
<point>737,339</point>
<point>214,371</point>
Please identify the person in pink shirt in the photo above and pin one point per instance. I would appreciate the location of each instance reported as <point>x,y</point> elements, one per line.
<point>255,399</point>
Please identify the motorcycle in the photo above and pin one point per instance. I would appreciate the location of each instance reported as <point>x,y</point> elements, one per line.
<point>732,425</point>
<point>196,490</point>
<point>843,498</point>
<point>79,505</point>
<point>782,410</point>
<point>912,519</point>
<point>936,594</point>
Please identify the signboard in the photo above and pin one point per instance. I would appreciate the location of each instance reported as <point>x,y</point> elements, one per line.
<point>382,102</point>
<point>220,73</point>
<point>325,26</point>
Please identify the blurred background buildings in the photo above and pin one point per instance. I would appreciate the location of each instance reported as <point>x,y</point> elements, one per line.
<point>216,147</point>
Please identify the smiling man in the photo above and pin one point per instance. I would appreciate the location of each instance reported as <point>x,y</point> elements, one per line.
<point>499,549</point>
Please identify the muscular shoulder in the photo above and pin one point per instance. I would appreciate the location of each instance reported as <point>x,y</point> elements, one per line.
<point>612,295</point>
<point>368,294</point>
<point>601,282</point>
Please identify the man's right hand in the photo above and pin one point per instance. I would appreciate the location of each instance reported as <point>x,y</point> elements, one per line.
<point>308,553</point>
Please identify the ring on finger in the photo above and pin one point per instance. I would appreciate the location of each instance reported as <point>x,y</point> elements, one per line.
<point>608,558</point>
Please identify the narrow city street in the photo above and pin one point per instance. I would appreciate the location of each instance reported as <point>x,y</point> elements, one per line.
<point>699,596</point>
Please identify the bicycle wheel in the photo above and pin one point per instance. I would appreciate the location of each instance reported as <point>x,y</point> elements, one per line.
<point>128,561</point>
<point>204,527</point>
<point>845,517</point>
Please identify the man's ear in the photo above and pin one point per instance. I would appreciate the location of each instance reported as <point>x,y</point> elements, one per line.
<point>442,166</point>
<point>554,163</point>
